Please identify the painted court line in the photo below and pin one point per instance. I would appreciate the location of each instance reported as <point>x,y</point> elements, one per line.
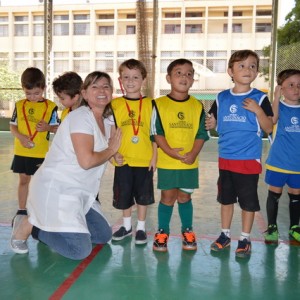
<point>66,285</point>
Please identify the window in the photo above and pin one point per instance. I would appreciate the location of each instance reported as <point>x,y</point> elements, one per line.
<point>81,54</point>
<point>193,28</point>
<point>20,61</point>
<point>237,14</point>
<point>61,25</point>
<point>194,53</point>
<point>173,15</point>
<point>125,54</point>
<point>21,18</point>
<point>3,19</point>
<point>263,27</point>
<point>164,65</point>
<point>131,16</point>
<point>225,28</point>
<point>82,66</point>
<point>60,29</point>
<point>105,65</point>
<point>60,65</point>
<point>21,30</point>
<point>61,54</point>
<point>81,29</point>
<point>195,14</point>
<point>81,17</point>
<point>38,29</point>
<point>38,64</point>
<point>237,28</point>
<point>216,53</point>
<point>217,65</point>
<point>130,29</point>
<point>106,30</point>
<point>105,54</point>
<point>3,30</point>
<point>172,28</point>
<point>170,53</point>
<point>264,13</point>
<point>106,16</point>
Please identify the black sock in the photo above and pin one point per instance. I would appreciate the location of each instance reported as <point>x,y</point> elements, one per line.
<point>294,209</point>
<point>272,207</point>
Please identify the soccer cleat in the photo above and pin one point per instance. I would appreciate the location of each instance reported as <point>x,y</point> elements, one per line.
<point>121,233</point>
<point>189,240</point>
<point>160,241</point>
<point>222,242</point>
<point>18,246</point>
<point>243,249</point>
<point>294,232</point>
<point>140,237</point>
<point>271,234</point>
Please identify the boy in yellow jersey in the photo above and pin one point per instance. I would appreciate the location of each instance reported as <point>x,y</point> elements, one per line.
<point>32,121</point>
<point>135,161</point>
<point>67,87</point>
<point>178,127</point>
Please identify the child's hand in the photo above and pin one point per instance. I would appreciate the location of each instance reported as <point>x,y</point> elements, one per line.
<point>210,122</point>
<point>189,158</point>
<point>251,105</point>
<point>42,126</point>
<point>175,153</point>
<point>119,159</point>
<point>25,141</point>
<point>277,93</point>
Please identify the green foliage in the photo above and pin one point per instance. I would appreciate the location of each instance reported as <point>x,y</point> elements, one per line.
<point>10,87</point>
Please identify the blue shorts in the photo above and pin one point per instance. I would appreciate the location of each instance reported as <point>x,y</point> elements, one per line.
<point>280,179</point>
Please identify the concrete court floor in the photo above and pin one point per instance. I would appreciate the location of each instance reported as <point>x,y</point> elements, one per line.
<point>125,271</point>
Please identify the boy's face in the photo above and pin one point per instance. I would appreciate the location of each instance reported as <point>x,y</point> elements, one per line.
<point>34,95</point>
<point>66,100</point>
<point>181,78</point>
<point>290,89</point>
<point>244,72</point>
<point>132,81</point>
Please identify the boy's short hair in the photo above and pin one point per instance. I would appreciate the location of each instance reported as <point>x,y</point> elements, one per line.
<point>133,64</point>
<point>33,78</point>
<point>69,83</point>
<point>241,55</point>
<point>285,74</point>
<point>176,62</point>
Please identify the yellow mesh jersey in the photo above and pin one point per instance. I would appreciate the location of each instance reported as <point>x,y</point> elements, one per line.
<point>64,113</point>
<point>34,112</point>
<point>180,121</point>
<point>135,154</point>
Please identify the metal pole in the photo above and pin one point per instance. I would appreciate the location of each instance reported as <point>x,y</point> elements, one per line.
<point>273,49</point>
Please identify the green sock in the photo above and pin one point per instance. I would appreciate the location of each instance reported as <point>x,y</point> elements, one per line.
<point>164,217</point>
<point>186,215</point>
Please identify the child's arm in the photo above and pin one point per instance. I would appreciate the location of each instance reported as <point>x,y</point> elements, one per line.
<point>275,104</point>
<point>172,152</point>
<point>117,157</point>
<point>24,139</point>
<point>191,156</point>
<point>154,157</point>
<point>264,121</point>
<point>44,126</point>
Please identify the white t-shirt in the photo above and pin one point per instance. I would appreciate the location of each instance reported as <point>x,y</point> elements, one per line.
<point>61,192</point>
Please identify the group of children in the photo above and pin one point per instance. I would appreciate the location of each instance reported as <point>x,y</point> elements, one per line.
<point>168,133</point>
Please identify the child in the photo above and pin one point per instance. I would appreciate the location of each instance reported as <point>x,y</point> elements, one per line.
<point>178,129</point>
<point>32,120</point>
<point>67,87</point>
<point>283,164</point>
<point>135,161</point>
<point>241,113</point>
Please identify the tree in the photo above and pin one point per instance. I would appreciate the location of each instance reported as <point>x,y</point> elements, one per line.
<point>288,45</point>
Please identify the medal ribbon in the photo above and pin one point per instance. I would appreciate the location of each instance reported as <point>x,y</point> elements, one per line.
<point>32,136</point>
<point>135,130</point>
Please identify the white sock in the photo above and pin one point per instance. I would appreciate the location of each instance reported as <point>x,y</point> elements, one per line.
<point>140,225</point>
<point>245,235</point>
<point>226,232</point>
<point>127,223</point>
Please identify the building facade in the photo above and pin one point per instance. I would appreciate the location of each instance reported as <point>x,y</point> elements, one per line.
<point>99,35</point>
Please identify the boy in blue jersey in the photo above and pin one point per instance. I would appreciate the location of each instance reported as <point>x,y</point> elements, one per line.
<point>178,127</point>
<point>282,167</point>
<point>241,114</point>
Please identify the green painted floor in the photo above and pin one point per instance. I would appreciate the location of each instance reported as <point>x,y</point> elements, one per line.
<point>125,271</point>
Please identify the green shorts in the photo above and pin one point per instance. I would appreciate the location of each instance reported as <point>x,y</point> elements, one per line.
<point>177,179</point>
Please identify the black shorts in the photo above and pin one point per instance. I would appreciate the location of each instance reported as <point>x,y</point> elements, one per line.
<point>26,165</point>
<point>132,185</point>
<point>236,187</point>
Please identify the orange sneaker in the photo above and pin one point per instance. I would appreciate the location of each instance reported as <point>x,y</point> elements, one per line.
<point>161,241</point>
<point>189,240</point>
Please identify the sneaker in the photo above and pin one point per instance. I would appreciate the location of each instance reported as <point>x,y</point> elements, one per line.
<point>140,237</point>
<point>160,241</point>
<point>243,249</point>
<point>295,232</point>
<point>18,246</point>
<point>121,233</point>
<point>271,234</point>
<point>189,240</point>
<point>222,242</point>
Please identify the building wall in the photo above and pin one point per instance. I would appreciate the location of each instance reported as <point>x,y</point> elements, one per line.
<point>101,35</point>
